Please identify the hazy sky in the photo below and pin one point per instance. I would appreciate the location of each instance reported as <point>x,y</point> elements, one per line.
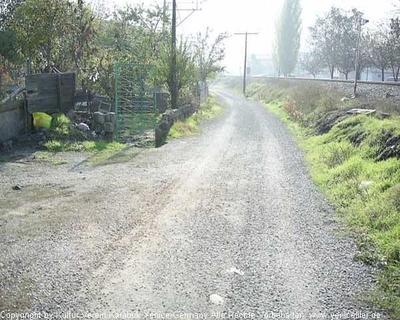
<point>260,16</point>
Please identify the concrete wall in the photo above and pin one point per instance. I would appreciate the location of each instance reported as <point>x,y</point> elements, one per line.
<point>12,120</point>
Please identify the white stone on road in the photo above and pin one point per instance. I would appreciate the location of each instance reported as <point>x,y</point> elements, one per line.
<point>235,271</point>
<point>216,299</point>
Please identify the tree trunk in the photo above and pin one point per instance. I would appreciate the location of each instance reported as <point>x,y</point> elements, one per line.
<point>383,74</point>
<point>332,71</point>
<point>346,75</point>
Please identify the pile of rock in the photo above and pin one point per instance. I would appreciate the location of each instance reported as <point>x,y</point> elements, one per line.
<point>104,123</point>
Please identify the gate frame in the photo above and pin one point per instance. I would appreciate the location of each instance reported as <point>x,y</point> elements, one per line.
<point>150,70</point>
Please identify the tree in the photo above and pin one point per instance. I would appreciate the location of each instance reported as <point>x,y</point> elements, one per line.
<point>40,26</point>
<point>378,50</point>
<point>209,54</point>
<point>186,69</point>
<point>334,37</point>
<point>131,34</point>
<point>323,38</point>
<point>346,41</point>
<point>275,58</point>
<point>8,45</point>
<point>393,39</point>
<point>84,31</point>
<point>288,36</point>
<point>312,62</point>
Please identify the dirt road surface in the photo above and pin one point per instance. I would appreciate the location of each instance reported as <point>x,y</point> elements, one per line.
<point>225,223</point>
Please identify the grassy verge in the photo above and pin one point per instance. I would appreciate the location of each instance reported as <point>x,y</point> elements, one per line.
<point>355,160</point>
<point>210,109</point>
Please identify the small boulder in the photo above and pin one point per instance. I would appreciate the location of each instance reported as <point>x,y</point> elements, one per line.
<point>83,127</point>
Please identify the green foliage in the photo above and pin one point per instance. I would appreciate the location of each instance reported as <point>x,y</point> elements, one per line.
<point>288,31</point>
<point>67,35</point>
<point>186,69</point>
<point>133,34</point>
<point>8,48</point>
<point>41,26</point>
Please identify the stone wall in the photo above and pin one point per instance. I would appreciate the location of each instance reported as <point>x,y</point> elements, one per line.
<point>167,121</point>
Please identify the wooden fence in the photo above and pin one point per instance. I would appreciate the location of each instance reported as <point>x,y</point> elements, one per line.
<point>51,93</point>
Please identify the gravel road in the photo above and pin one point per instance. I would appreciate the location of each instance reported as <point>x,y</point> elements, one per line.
<point>226,224</point>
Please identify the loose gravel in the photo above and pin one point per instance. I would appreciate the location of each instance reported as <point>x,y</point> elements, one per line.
<point>226,223</point>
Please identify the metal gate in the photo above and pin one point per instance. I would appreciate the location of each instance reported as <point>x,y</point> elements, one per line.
<point>135,105</point>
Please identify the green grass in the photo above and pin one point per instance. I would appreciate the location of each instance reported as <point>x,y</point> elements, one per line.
<point>208,110</point>
<point>101,152</point>
<point>81,146</point>
<point>340,161</point>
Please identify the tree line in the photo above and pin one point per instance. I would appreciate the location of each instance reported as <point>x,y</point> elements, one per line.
<point>336,43</point>
<point>41,36</point>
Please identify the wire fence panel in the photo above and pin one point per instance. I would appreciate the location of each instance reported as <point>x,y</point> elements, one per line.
<point>135,101</point>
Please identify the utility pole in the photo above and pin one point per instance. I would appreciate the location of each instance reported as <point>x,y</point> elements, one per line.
<point>174,91</point>
<point>164,14</point>
<point>173,69</point>
<point>360,23</point>
<point>246,34</point>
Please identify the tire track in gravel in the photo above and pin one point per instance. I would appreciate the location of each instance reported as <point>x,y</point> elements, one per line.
<point>242,199</point>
